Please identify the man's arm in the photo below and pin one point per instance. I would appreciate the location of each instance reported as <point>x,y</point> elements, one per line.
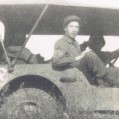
<point>62,57</point>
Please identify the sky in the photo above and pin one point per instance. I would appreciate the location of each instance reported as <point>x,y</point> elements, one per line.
<point>44,44</point>
<point>113,4</point>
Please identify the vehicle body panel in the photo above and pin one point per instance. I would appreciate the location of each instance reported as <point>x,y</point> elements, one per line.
<point>79,95</point>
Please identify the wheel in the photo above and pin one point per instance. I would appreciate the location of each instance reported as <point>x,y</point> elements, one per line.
<point>30,103</point>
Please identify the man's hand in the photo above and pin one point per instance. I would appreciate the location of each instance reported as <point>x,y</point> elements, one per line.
<point>82,54</point>
<point>79,57</point>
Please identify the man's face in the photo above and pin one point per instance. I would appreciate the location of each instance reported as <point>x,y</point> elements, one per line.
<point>72,29</point>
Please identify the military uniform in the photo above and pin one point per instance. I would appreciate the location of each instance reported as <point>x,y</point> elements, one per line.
<point>65,51</point>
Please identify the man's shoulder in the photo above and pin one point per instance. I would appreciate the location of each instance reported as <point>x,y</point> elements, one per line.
<point>60,41</point>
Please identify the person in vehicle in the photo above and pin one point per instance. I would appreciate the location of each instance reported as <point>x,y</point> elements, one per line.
<point>26,57</point>
<point>96,42</point>
<point>68,53</point>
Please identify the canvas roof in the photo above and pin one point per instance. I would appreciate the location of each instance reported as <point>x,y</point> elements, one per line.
<point>96,15</point>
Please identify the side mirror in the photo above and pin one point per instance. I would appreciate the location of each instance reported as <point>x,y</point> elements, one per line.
<point>2,31</point>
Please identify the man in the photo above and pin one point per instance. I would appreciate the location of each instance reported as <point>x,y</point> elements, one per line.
<point>68,54</point>
<point>96,42</point>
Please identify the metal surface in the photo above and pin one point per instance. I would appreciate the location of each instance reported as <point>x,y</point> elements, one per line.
<point>79,94</point>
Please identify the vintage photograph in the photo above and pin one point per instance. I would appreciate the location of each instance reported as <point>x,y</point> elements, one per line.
<point>59,59</point>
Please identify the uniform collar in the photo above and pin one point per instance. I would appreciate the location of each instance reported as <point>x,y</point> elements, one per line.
<point>68,39</point>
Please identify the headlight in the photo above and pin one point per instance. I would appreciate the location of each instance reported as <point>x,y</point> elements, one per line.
<point>3,75</point>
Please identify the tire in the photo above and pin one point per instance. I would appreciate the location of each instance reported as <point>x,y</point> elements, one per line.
<point>30,103</point>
